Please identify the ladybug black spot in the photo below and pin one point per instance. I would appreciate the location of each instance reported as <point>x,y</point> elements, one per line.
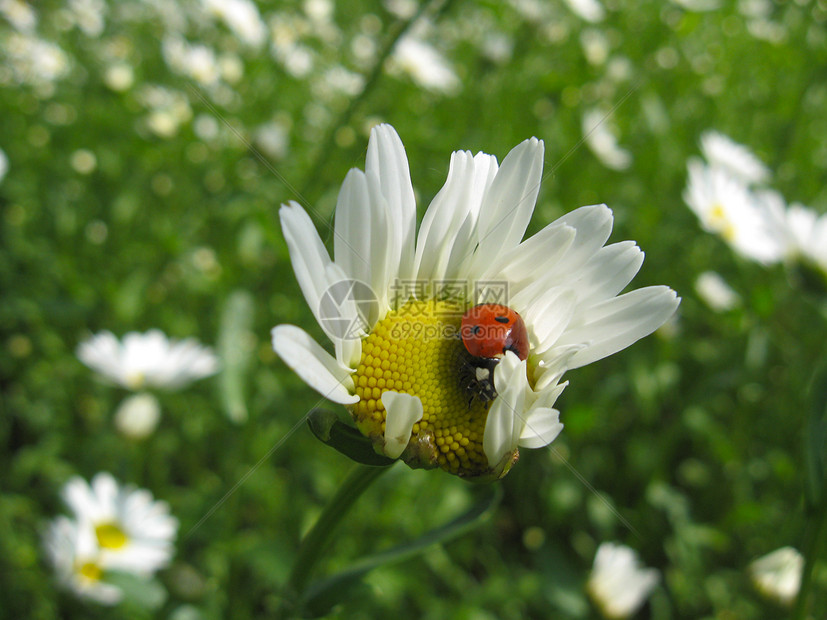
<point>476,330</point>
<point>501,319</point>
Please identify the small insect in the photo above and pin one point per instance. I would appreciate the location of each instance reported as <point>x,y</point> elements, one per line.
<point>488,331</point>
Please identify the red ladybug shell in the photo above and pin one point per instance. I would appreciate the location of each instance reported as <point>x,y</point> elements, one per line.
<point>489,330</point>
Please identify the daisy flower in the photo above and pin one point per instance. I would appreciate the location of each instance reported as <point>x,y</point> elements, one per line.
<point>393,302</point>
<point>722,152</point>
<point>149,360</point>
<point>777,575</point>
<point>618,584</point>
<point>130,529</point>
<point>73,553</point>
<point>725,206</point>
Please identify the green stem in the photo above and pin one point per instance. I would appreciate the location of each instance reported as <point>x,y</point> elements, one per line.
<point>358,479</point>
<point>395,33</point>
<point>812,547</point>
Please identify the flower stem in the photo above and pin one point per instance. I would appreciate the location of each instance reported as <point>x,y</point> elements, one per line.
<point>812,548</point>
<point>395,32</point>
<point>358,479</point>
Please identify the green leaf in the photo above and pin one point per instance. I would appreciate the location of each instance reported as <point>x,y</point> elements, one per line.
<point>234,349</point>
<point>324,594</point>
<point>815,441</point>
<point>327,427</point>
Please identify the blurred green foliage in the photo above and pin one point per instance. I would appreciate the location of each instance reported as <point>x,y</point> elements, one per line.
<point>693,436</point>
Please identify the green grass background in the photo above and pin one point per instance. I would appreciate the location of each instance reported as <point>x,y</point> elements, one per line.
<point>694,437</point>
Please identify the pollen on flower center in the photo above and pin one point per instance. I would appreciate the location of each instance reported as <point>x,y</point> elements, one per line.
<point>110,536</point>
<point>416,350</point>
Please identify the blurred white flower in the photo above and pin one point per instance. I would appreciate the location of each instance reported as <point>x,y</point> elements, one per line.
<point>497,47</point>
<point>808,231</point>
<point>589,10</point>
<point>603,142</point>
<point>4,165</point>
<point>721,151</point>
<point>73,552</point>
<point>192,60</point>
<point>318,10</point>
<point>34,61</point>
<point>83,161</point>
<point>698,5</point>
<point>138,415</point>
<point>240,16</point>
<point>169,109</point>
<point>132,531</point>
<point>725,206</point>
<point>19,14</point>
<point>272,139</point>
<point>88,15</point>
<point>424,64</point>
<point>595,46</point>
<point>119,76</point>
<point>715,292</point>
<point>231,68</point>
<point>618,584</point>
<point>338,80</point>
<point>147,360</point>
<point>777,575</point>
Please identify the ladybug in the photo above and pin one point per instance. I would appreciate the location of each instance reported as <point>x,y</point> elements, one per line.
<point>488,331</point>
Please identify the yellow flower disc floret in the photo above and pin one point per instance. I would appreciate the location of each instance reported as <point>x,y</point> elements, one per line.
<point>417,350</point>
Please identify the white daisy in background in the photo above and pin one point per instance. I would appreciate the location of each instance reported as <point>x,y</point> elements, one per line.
<point>777,575</point>
<point>241,17</point>
<point>399,368</point>
<point>138,416</point>
<point>725,206</point>
<point>148,360</point>
<point>590,10</point>
<point>424,64</point>
<point>196,61</point>
<point>19,14</point>
<point>73,553</point>
<point>715,292</point>
<point>618,583</point>
<point>602,141</point>
<point>4,165</point>
<point>738,160</point>
<point>132,531</point>
<point>805,230</point>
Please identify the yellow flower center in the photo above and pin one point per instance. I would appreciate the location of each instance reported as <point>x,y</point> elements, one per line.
<point>90,570</point>
<point>110,536</point>
<point>136,380</point>
<point>719,220</point>
<point>416,350</point>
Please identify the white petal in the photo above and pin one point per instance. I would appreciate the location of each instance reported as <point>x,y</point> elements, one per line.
<point>542,425</point>
<point>402,412</point>
<point>352,227</point>
<point>381,256</point>
<point>348,342</point>
<point>509,202</point>
<point>609,271</point>
<point>444,217</point>
<point>387,159</point>
<point>618,322</point>
<point>549,316</point>
<point>519,267</point>
<point>593,225</point>
<point>505,417</point>
<point>313,364</point>
<point>307,253</point>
